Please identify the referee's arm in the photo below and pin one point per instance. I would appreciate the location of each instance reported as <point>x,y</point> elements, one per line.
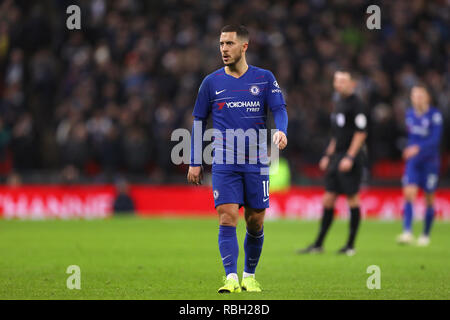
<point>331,147</point>
<point>323,164</point>
<point>358,139</point>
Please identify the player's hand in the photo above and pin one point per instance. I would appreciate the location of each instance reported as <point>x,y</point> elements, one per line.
<point>323,164</point>
<point>345,164</point>
<point>410,151</point>
<point>280,139</point>
<point>195,175</point>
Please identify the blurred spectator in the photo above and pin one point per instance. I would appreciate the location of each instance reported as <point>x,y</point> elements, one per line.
<point>76,148</point>
<point>23,143</point>
<point>70,175</point>
<point>135,149</point>
<point>123,202</point>
<point>5,138</point>
<point>14,180</point>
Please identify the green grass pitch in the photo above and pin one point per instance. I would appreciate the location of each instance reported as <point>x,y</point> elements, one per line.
<point>178,258</point>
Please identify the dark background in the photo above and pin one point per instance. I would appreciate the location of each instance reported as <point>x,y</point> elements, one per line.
<point>90,105</point>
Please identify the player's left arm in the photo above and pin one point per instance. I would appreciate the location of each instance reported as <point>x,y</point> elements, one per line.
<point>277,105</point>
<point>358,139</point>
<point>433,140</point>
<point>280,118</point>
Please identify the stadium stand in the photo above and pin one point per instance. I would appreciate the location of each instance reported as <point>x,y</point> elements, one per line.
<point>86,105</point>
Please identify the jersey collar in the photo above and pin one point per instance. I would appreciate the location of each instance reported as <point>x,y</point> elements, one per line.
<point>242,76</point>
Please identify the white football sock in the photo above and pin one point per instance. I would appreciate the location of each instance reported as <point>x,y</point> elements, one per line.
<point>233,276</point>
<point>245,275</point>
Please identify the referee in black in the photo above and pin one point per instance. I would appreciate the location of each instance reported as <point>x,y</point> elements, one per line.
<point>343,160</point>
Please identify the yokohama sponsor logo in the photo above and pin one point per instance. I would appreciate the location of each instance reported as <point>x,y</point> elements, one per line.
<point>243,104</point>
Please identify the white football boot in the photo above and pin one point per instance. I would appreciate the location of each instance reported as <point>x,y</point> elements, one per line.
<point>405,238</point>
<point>423,241</point>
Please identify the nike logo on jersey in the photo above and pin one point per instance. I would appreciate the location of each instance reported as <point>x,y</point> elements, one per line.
<point>219,92</point>
<point>265,199</point>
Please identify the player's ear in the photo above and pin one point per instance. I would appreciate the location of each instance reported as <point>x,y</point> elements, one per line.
<point>244,46</point>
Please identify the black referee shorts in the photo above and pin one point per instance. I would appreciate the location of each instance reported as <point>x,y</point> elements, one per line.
<point>339,182</point>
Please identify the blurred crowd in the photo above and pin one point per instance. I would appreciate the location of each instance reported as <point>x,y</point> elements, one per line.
<point>105,99</point>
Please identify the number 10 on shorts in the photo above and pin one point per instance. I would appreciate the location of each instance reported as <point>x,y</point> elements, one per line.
<point>265,188</point>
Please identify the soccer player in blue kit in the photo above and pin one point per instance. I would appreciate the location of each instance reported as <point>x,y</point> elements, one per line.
<point>424,125</point>
<point>238,96</point>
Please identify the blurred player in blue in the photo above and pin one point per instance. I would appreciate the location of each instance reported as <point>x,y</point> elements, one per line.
<point>424,125</point>
<point>238,97</point>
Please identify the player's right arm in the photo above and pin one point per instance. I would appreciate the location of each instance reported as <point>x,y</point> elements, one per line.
<point>201,112</point>
<point>325,160</point>
<point>195,172</point>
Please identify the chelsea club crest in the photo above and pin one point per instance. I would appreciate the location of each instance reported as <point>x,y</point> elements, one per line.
<point>254,90</point>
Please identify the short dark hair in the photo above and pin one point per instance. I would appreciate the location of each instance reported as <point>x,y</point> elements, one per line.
<point>241,31</point>
<point>422,85</point>
<point>354,76</point>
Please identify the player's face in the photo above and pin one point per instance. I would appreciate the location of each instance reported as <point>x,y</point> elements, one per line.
<point>343,83</point>
<point>231,48</point>
<point>419,98</point>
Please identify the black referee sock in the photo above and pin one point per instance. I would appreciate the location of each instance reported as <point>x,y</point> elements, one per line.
<point>355,217</point>
<point>327,219</point>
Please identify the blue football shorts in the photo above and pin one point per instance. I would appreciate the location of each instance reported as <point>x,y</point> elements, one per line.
<point>249,189</point>
<point>424,174</point>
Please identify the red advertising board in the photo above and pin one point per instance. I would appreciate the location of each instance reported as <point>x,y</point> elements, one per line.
<point>39,202</point>
<point>382,203</point>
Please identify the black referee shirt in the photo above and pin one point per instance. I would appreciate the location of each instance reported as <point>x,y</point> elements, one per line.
<point>349,116</point>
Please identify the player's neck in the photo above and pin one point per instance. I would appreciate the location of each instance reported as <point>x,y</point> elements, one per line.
<point>421,110</point>
<point>347,94</point>
<point>238,69</point>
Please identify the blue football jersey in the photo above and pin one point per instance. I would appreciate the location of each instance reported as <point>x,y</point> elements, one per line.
<point>239,104</point>
<point>425,131</point>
